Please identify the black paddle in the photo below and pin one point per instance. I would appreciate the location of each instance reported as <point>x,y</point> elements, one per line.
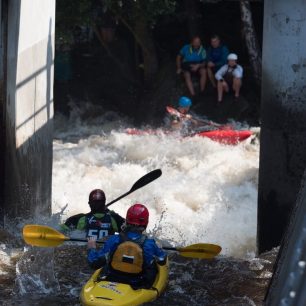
<point>143,181</point>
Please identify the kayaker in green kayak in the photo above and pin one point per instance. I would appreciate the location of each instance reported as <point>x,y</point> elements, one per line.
<point>99,222</point>
<point>131,256</point>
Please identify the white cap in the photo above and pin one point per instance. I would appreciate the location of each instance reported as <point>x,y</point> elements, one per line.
<point>232,56</point>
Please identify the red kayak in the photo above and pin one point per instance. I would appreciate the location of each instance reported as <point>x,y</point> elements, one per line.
<point>230,137</point>
<point>223,133</point>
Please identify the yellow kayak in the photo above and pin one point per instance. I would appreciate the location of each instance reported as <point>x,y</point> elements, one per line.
<point>99,293</point>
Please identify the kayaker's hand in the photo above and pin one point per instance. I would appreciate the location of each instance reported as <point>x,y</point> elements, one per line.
<point>188,116</point>
<point>161,260</point>
<point>91,244</point>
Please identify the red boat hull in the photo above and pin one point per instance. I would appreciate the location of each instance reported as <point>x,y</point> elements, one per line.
<point>231,137</point>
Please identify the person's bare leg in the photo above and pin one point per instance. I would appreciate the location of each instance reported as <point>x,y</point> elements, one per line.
<point>236,87</point>
<point>222,87</point>
<point>211,77</point>
<point>203,78</point>
<point>188,81</point>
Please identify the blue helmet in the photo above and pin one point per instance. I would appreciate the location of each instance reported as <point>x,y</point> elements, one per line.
<point>184,102</point>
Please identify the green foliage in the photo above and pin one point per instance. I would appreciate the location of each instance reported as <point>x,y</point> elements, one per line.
<point>150,10</point>
<point>71,13</point>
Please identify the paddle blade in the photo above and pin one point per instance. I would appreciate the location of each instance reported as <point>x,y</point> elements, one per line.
<point>42,236</point>
<point>146,179</point>
<point>200,250</point>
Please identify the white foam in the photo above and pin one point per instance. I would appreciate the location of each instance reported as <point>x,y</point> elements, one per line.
<point>208,191</point>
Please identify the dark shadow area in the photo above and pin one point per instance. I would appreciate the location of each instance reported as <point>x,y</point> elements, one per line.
<point>29,191</point>
<point>3,71</point>
<point>103,64</point>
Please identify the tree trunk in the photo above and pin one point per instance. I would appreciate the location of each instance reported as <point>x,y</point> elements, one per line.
<point>193,17</point>
<point>251,39</point>
<point>150,61</point>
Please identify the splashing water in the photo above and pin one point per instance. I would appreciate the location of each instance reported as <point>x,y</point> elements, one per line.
<point>207,193</point>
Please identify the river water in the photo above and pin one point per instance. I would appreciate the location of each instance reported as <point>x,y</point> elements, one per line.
<point>207,193</point>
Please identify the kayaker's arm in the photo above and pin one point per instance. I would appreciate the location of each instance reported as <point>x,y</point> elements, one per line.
<point>71,223</point>
<point>98,258</point>
<point>159,254</point>
<point>195,121</point>
<point>98,263</point>
<point>118,219</point>
<point>81,225</point>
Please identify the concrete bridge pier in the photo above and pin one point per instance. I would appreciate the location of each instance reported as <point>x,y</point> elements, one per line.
<point>283,132</point>
<point>27,105</point>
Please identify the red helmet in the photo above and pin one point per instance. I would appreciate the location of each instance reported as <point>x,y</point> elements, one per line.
<point>97,195</point>
<point>137,214</point>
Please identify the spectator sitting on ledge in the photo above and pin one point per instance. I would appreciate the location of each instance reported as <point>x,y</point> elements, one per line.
<point>229,77</point>
<point>192,60</point>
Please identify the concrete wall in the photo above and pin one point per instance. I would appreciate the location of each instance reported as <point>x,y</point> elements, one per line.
<point>288,285</point>
<point>29,107</point>
<point>283,132</point>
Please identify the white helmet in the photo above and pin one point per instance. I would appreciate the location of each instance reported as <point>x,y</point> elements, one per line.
<point>232,56</point>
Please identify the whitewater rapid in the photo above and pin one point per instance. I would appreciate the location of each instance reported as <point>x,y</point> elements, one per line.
<point>207,193</point>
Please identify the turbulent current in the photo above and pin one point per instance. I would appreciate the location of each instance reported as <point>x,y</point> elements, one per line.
<point>207,193</point>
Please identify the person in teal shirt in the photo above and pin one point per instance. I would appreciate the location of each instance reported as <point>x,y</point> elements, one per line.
<point>192,60</point>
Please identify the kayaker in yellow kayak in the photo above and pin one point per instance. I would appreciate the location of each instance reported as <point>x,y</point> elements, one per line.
<point>131,256</point>
<point>99,222</point>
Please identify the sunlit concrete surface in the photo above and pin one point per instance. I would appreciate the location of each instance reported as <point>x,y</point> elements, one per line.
<point>29,106</point>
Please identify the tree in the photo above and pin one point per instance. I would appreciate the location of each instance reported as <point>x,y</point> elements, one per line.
<point>251,39</point>
<point>69,14</point>
<point>140,16</point>
<point>193,17</point>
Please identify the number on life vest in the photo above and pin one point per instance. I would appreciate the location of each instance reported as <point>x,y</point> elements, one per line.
<point>98,234</point>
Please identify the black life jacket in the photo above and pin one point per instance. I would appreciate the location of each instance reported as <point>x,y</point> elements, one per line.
<point>229,74</point>
<point>100,227</point>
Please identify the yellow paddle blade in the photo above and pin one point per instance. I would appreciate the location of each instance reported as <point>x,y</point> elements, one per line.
<point>42,236</point>
<point>200,250</point>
